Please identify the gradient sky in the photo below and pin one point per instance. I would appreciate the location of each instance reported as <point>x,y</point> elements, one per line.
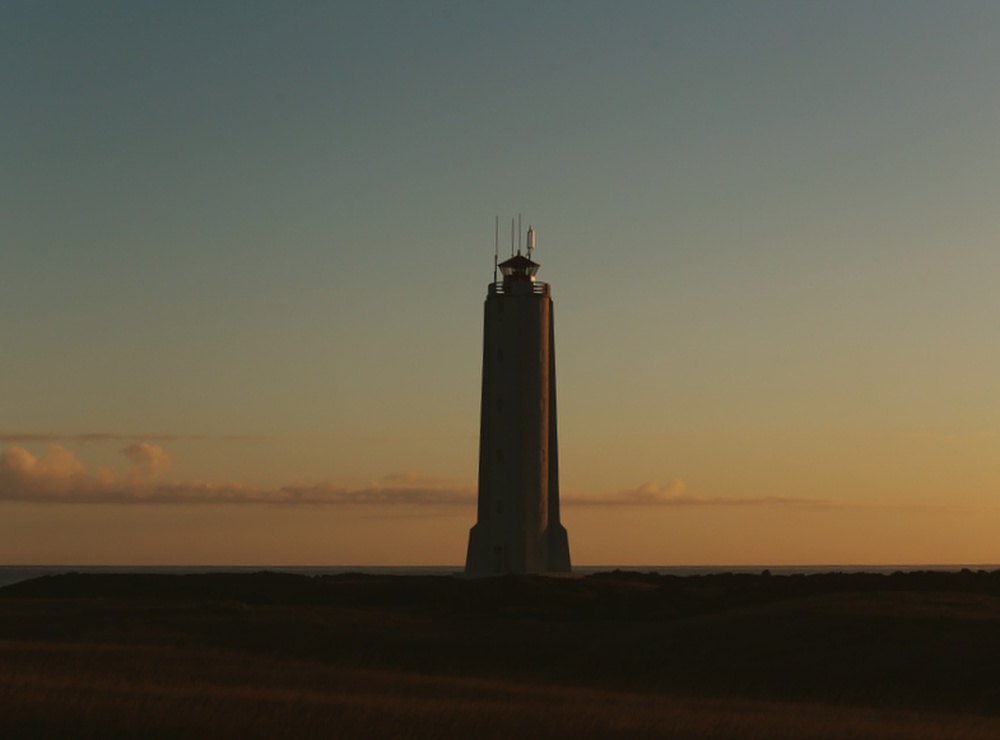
<point>245,248</point>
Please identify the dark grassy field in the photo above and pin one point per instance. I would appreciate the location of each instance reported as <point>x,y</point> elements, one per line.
<point>623,655</point>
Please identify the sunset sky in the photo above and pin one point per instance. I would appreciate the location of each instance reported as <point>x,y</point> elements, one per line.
<point>244,249</point>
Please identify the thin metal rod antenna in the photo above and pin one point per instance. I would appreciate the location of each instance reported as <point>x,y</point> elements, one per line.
<point>512,237</point>
<point>496,249</point>
<point>519,233</point>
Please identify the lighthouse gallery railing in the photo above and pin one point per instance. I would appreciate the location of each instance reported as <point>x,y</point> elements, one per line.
<point>537,288</point>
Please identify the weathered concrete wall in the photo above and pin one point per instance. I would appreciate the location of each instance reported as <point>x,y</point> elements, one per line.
<point>517,528</point>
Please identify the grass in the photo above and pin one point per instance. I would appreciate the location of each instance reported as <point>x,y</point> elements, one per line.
<point>391,658</point>
<point>75,690</point>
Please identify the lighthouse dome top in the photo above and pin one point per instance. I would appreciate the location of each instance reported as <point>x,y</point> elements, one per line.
<point>518,267</point>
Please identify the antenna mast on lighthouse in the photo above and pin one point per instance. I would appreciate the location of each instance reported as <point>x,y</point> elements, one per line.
<point>496,249</point>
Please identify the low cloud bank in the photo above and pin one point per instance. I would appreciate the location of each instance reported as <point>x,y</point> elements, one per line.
<point>60,477</point>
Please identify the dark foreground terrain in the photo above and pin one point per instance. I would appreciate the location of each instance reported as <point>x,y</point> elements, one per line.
<point>622,655</point>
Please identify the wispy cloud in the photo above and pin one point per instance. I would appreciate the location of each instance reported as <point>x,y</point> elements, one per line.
<point>674,493</point>
<point>96,437</point>
<point>979,435</point>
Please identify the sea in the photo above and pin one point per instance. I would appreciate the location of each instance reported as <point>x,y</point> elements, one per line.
<point>10,574</point>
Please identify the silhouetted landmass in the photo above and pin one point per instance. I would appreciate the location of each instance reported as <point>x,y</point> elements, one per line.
<point>918,641</point>
<point>618,593</point>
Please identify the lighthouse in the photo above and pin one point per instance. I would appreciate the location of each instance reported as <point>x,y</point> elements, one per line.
<point>517,526</point>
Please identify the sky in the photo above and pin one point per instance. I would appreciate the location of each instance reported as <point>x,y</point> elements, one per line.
<point>245,248</point>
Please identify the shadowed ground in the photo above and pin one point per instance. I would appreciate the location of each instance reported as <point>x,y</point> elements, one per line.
<point>620,655</point>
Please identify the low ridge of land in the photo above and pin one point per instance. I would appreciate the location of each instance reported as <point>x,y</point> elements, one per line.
<point>614,655</point>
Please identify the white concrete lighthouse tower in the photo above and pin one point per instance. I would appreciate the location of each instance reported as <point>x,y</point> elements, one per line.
<point>517,527</point>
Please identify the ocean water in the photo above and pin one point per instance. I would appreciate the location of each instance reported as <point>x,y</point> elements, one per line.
<point>15,573</point>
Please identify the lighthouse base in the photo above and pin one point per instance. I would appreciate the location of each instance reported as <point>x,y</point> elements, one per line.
<point>489,556</point>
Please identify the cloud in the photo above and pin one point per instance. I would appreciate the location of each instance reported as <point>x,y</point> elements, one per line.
<point>674,493</point>
<point>96,437</point>
<point>59,477</point>
<point>54,476</point>
<point>148,461</point>
<point>980,435</point>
